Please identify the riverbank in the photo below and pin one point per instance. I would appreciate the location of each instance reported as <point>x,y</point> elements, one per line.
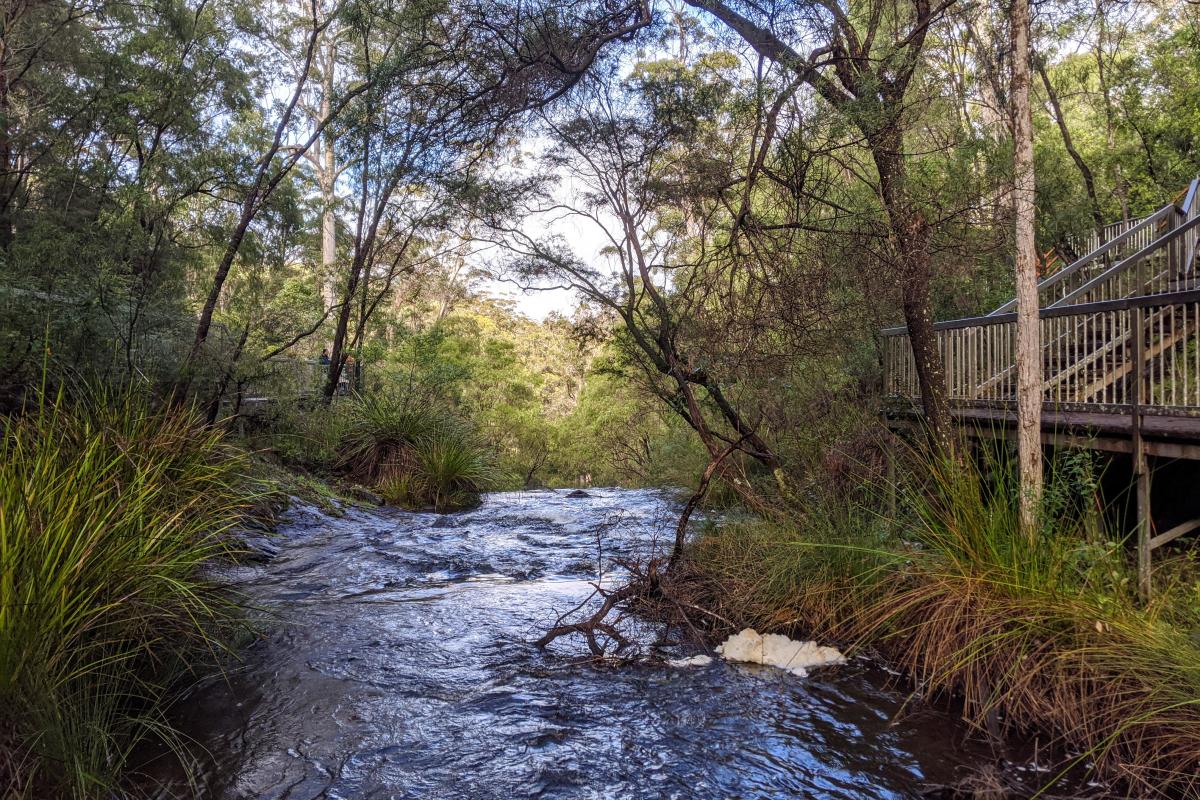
<point>1040,637</point>
<point>115,508</point>
<point>111,509</point>
<point>115,511</point>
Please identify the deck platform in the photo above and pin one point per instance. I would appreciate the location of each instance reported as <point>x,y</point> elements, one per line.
<point>1164,435</point>
<point>1119,334</point>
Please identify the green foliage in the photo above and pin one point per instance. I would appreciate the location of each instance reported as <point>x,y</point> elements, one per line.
<point>109,508</point>
<point>305,438</point>
<point>619,436</point>
<point>452,468</point>
<point>415,455</point>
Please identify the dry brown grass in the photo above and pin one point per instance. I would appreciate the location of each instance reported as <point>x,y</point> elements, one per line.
<point>1020,635</point>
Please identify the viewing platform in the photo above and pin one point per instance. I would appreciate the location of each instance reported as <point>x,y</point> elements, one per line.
<point>1120,355</point>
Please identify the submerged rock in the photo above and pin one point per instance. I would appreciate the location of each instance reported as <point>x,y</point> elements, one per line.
<point>259,548</point>
<point>578,493</point>
<point>778,651</point>
<point>364,495</point>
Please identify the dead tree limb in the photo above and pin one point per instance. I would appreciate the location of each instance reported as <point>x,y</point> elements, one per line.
<point>598,621</point>
<point>698,495</point>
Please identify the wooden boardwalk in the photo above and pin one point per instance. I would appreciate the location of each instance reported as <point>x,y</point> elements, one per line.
<point>1120,333</point>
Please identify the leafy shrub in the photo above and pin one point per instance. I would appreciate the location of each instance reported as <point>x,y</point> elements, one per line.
<point>307,438</point>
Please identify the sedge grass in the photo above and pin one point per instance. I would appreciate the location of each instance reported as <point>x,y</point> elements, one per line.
<point>1041,634</point>
<point>109,509</point>
<point>415,456</point>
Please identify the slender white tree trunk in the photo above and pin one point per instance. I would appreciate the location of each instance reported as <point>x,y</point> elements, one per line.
<point>1029,351</point>
<point>327,177</point>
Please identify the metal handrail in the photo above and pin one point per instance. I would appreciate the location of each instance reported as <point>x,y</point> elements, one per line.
<point>1189,201</point>
<point>1066,272</point>
<point>1189,211</point>
<point>1126,263</point>
<point>1051,312</point>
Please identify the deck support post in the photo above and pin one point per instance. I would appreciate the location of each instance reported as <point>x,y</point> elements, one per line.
<point>1143,525</point>
<point>1141,469</point>
<point>890,457</point>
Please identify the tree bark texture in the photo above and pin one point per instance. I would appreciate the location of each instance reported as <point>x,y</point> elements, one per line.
<point>1029,350</point>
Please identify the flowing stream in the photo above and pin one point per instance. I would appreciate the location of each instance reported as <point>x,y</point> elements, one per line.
<point>395,663</point>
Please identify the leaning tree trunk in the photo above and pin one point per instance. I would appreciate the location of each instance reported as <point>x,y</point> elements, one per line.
<point>6,157</point>
<point>931,373</point>
<point>337,356</point>
<point>1085,172</point>
<point>1029,366</point>
<point>910,235</point>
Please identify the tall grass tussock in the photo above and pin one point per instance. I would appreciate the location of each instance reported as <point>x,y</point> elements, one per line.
<point>109,509</point>
<point>417,456</point>
<point>1041,634</point>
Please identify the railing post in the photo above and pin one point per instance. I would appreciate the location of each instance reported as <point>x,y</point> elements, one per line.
<point>1173,221</point>
<point>1140,467</point>
<point>890,456</point>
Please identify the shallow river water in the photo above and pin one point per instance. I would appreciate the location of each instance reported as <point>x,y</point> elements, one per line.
<point>396,663</point>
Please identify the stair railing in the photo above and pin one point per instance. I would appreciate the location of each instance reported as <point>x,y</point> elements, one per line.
<point>1120,280</point>
<point>1084,336</point>
<point>1060,283</point>
<point>979,356</point>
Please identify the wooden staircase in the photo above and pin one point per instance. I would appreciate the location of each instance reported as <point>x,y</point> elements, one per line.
<point>1119,326</point>
<point>1120,340</point>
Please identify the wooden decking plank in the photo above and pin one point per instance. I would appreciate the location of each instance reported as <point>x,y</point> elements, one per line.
<point>1174,533</point>
<point>1182,427</point>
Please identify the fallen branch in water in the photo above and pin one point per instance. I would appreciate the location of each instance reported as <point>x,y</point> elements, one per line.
<point>598,622</point>
<point>645,586</point>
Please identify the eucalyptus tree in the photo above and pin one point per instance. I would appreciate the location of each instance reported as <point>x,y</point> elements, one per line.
<point>444,83</point>
<point>863,66</point>
<point>616,147</point>
<point>275,162</point>
<point>117,125</point>
<point>1118,86</point>
<point>1028,345</point>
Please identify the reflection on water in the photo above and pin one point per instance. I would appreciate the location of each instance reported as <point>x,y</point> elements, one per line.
<point>397,665</point>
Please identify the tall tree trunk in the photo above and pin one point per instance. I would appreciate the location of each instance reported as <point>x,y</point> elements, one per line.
<point>366,234</point>
<point>337,356</point>
<point>6,161</point>
<point>327,178</point>
<point>1120,188</point>
<point>263,185</point>
<point>1029,350</point>
<point>860,81</point>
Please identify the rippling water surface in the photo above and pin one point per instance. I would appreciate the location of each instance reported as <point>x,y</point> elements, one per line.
<point>396,664</point>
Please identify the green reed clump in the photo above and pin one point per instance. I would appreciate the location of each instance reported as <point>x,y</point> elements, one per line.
<point>453,467</point>
<point>414,455</point>
<point>1037,633</point>
<point>109,509</point>
<point>815,571</point>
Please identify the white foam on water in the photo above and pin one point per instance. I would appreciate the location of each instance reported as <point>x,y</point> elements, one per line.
<point>695,661</point>
<point>778,651</point>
